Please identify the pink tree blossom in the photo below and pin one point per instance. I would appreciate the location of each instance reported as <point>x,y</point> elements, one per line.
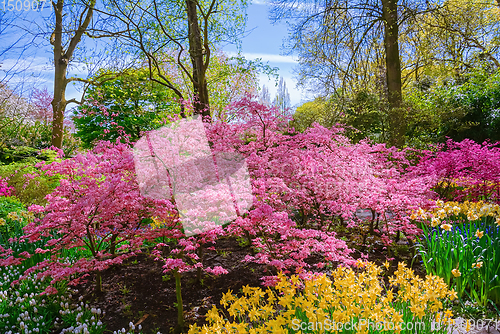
<point>97,206</point>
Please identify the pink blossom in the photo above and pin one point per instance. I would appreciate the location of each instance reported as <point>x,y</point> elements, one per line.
<point>217,270</point>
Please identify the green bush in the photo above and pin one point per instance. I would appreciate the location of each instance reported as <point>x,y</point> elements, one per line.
<point>11,217</point>
<point>461,245</point>
<point>468,107</point>
<point>12,154</point>
<point>31,190</point>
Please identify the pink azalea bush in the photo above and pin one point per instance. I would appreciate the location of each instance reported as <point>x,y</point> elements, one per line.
<point>305,186</point>
<point>97,206</point>
<point>318,178</point>
<point>5,190</point>
<point>463,170</point>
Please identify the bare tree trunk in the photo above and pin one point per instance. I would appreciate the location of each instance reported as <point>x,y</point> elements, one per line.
<point>393,67</point>
<point>196,51</point>
<point>59,102</point>
<point>61,61</point>
<point>61,65</point>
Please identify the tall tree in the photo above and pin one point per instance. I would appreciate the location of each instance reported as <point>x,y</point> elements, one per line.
<point>265,96</point>
<point>393,72</point>
<point>166,33</point>
<point>282,98</point>
<point>64,47</point>
<point>342,42</point>
<point>60,29</point>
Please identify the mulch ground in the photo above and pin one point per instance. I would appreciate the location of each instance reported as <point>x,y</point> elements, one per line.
<point>138,291</point>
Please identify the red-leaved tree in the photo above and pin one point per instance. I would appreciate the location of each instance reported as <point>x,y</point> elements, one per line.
<point>97,206</point>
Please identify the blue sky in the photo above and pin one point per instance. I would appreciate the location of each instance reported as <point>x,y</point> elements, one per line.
<point>263,40</point>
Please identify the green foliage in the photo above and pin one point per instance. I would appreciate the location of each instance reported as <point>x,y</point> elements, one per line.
<point>460,249</point>
<point>10,217</point>
<point>459,109</point>
<point>129,102</point>
<point>12,154</point>
<point>366,113</point>
<point>10,204</point>
<point>319,110</point>
<point>363,114</point>
<point>20,132</point>
<point>30,190</point>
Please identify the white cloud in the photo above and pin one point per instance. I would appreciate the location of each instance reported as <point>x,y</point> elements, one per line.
<point>260,2</point>
<point>32,64</point>
<point>273,58</point>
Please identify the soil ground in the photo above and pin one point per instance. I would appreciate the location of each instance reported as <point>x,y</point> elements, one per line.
<point>138,291</point>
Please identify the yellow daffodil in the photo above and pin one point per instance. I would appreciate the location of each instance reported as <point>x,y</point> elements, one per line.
<point>13,216</point>
<point>479,234</point>
<point>350,294</point>
<point>213,314</point>
<point>452,295</point>
<point>448,314</point>
<point>456,273</point>
<point>446,227</point>
<point>472,210</point>
<point>477,264</point>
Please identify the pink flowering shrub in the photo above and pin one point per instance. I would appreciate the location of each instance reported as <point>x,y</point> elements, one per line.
<point>283,247</point>
<point>463,170</point>
<point>184,253</point>
<point>97,206</point>
<point>315,181</point>
<point>5,190</point>
<point>305,187</point>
